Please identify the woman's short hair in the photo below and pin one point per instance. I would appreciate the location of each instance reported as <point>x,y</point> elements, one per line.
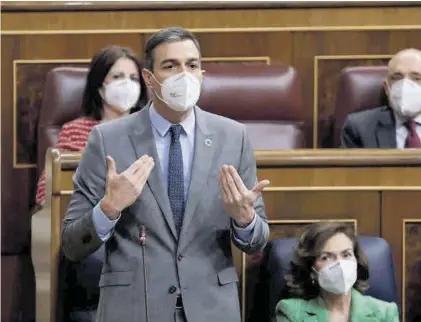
<point>299,280</point>
<point>100,65</point>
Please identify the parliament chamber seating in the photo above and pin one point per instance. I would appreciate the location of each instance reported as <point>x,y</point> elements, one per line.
<point>382,280</point>
<point>61,103</point>
<point>360,88</point>
<point>237,91</point>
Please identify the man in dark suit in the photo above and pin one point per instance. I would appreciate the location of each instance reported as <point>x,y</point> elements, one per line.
<point>397,125</point>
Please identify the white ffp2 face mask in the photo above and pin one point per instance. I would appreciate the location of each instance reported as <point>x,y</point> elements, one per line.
<point>405,98</point>
<point>180,92</point>
<point>338,277</point>
<point>122,94</point>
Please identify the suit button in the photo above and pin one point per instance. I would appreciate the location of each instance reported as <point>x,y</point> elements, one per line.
<point>86,239</point>
<point>172,289</point>
<point>180,257</point>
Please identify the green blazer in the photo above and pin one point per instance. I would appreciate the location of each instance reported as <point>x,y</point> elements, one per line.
<point>363,309</point>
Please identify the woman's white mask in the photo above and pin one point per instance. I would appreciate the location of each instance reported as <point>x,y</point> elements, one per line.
<point>338,277</point>
<point>122,94</point>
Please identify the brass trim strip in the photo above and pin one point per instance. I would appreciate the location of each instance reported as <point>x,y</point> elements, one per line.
<point>211,30</point>
<point>310,189</point>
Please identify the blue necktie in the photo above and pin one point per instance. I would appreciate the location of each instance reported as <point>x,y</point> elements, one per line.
<point>176,177</point>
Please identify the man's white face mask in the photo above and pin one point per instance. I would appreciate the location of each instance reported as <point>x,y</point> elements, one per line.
<point>180,92</point>
<point>405,98</point>
<point>121,94</point>
<point>338,277</point>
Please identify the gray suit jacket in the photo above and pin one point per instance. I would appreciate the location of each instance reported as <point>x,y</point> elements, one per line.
<point>370,129</point>
<point>198,264</point>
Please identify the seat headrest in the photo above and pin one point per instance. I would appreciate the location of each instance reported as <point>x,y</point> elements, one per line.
<point>360,88</point>
<point>61,103</point>
<point>252,92</point>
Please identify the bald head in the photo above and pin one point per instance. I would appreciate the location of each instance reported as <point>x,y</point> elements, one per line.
<point>405,64</point>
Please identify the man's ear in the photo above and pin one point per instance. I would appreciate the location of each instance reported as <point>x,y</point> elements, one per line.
<point>147,77</point>
<point>201,75</point>
<point>386,87</point>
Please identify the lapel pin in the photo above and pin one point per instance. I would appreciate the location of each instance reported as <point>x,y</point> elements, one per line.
<point>208,142</point>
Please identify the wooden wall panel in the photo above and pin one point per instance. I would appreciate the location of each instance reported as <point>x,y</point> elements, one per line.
<point>401,227</point>
<point>412,267</point>
<point>289,208</point>
<point>298,18</point>
<point>275,45</point>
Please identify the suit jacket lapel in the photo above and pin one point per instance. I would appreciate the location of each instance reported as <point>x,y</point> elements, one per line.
<point>361,311</point>
<point>143,142</point>
<point>315,311</point>
<point>204,150</point>
<point>385,130</point>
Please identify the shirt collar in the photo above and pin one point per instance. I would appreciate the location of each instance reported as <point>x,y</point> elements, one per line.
<point>401,121</point>
<point>162,125</point>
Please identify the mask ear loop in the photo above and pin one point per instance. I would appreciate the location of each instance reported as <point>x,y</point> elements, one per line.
<point>153,90</point>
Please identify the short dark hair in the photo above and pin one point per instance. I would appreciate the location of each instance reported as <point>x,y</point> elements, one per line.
<point>299,282</point>
<point>170,34</point>
<point>100,65</point>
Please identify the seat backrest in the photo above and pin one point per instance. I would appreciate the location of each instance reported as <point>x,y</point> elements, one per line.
<point>267,99</point>
<point>360,88</point>
<point>61,103</point>
<point>382,279</point>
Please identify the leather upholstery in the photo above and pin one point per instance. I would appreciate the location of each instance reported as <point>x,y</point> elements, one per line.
<point>62,102</point>
<point>382,273</point>
<point>360,88</point>
<point>267,99</point>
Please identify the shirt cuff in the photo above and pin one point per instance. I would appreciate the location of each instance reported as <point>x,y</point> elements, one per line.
<point>103,226</point>
<point>244,235</point>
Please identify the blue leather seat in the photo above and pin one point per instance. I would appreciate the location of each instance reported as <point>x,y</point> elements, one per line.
<point>382,279</point>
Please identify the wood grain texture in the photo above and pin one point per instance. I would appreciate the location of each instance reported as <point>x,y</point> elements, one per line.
<point>397,208</point>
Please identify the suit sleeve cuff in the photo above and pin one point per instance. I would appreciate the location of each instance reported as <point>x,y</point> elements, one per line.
<point>103,226</point>
<point>244,235</point>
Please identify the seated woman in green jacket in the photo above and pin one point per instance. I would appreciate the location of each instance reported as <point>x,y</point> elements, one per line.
<point>328,273</point>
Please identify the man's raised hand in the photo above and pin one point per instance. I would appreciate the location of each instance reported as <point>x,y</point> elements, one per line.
<point>123,189</point>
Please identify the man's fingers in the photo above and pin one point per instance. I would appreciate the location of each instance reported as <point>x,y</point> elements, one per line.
<point>229,184</point>
<point>258,188</point>
<point>111,168</point>
<point>134,167</point>
<point>144,170</point>
<point>237,180</point>
<point>225,193</point>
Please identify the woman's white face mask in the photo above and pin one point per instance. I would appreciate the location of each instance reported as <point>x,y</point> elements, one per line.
<point>339,276</point>
<point>121,94</point>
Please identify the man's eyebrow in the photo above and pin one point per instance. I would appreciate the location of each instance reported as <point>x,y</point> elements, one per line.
<point>169,60</point>
<point>173,60</point>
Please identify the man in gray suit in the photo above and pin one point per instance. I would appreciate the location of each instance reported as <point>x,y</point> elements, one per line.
<point>188,178</point>
<point>399,124</point>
